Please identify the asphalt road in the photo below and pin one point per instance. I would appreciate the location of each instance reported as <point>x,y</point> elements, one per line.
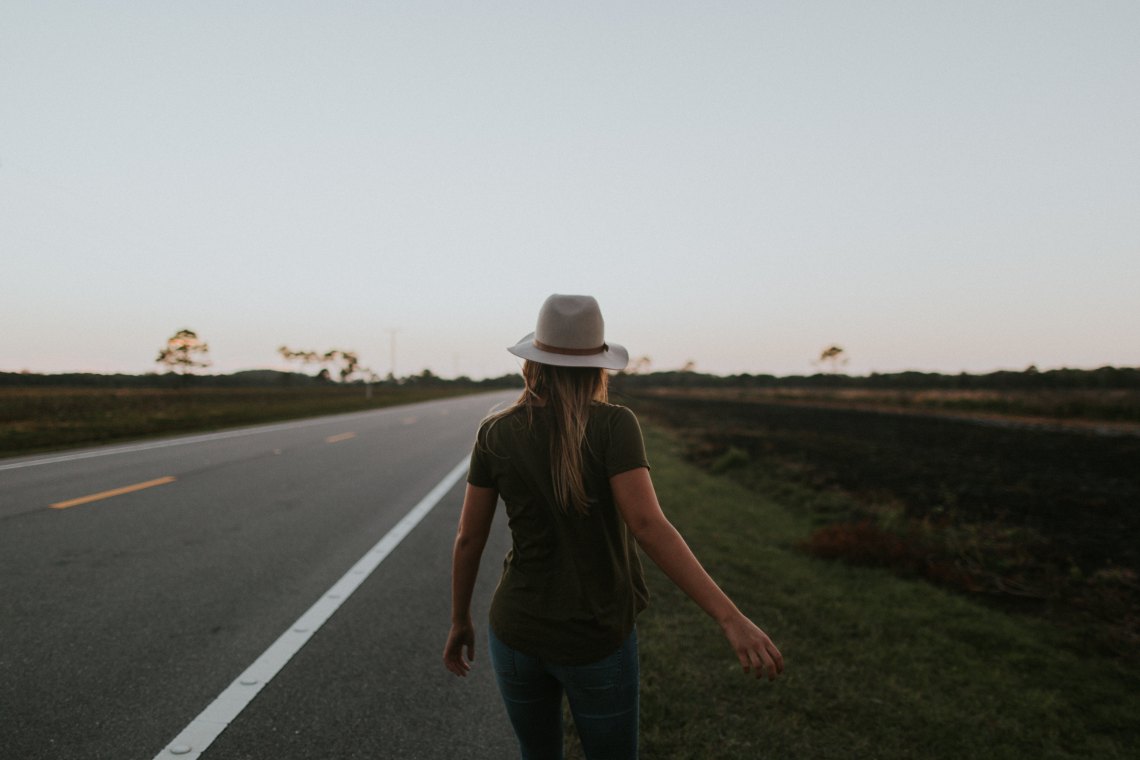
<point>124,617</point>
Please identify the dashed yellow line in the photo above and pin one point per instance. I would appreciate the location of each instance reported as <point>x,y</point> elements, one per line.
<point>338,438</point>
<point>113,492</point>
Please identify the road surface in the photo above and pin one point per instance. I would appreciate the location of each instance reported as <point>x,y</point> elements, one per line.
<point>139,583</point>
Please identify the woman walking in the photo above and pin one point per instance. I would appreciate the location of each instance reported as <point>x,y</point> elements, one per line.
<point>572,472</point>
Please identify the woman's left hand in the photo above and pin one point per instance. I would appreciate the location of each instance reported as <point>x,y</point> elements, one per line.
<point>753,648</point>
<point>462,636</point>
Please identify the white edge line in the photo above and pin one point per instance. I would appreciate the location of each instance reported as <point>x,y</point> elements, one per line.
<point>204,729</point>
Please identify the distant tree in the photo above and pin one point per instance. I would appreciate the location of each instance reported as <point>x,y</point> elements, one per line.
<point>424,378</point>
<point>304,357</point>
<point>184,352</point>
<point>639,365</point>
<point>345,363</point>
<point>690,366</point>
<point>349,364</point>
<point>833,358</point>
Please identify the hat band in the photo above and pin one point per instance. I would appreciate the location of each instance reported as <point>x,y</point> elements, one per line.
<point>571,351</point>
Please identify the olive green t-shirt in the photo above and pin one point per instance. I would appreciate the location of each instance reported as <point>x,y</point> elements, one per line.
<point>572,584</point>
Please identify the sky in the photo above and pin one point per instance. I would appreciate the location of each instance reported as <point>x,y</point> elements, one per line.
<point>931,186</point>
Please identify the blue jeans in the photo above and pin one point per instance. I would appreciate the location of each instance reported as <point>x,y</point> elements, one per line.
<point>603,699</point>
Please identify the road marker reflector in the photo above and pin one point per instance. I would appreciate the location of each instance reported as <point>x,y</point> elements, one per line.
<point>113,492</point>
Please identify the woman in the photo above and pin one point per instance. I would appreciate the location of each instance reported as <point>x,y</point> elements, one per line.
<point>572,472</point>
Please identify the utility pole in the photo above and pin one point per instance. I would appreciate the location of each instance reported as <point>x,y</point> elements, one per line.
<point>392,346</point>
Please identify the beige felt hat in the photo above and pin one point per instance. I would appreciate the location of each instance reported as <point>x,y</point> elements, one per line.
<point>571,333</point>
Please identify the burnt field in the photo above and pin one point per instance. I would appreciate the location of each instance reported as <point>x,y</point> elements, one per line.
<point>1035,518</point>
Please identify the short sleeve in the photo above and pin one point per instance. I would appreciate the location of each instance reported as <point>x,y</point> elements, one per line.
<point>626,450</point>
<point>479,470</point>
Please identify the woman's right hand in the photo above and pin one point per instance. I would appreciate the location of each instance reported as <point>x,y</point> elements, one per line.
<point>753,648</point>
<point>460,638</point>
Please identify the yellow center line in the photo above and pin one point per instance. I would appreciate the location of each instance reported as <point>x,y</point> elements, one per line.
<point>112,492</point>
<point>341,437</point>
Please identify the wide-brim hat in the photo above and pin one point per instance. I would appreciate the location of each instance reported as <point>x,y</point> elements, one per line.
<point>571,333</point>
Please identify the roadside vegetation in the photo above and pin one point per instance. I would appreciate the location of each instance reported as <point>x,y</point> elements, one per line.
<point>880,664</point>
<point>37,414</point>
<point>1034,519</point>
<point>1107,394</point>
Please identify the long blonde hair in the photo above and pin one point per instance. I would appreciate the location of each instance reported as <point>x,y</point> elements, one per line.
<point>569,392</point>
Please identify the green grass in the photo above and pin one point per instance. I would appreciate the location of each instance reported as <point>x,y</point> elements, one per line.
<point>877,666</point>
<point>41,419</point>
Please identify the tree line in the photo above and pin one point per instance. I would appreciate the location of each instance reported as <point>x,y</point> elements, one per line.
<point>256,378</point>
<point>1103,378</point>
<point>184,352</point>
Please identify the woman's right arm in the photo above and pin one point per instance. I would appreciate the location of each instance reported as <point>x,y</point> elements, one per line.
<point>637,502</point>
<point>474,526</point>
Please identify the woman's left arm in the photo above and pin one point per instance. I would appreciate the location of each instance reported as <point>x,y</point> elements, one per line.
<point>637,502</point>
<point>474,527</point>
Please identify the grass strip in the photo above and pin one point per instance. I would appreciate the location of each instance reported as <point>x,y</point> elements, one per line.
<point>877,666</point>
<point>42,419</point>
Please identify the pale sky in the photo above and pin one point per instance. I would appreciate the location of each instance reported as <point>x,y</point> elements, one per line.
<point>940,186</point>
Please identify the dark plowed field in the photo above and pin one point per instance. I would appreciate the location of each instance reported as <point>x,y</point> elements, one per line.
<point>1038,514</point>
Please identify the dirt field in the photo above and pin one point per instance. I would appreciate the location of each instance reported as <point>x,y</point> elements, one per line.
<point>1038,514</point>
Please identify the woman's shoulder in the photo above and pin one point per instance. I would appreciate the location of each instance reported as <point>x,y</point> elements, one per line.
<point>498,417</point>
<point>611,413</point>
<point>610,407</point>
<point>616,435</point>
